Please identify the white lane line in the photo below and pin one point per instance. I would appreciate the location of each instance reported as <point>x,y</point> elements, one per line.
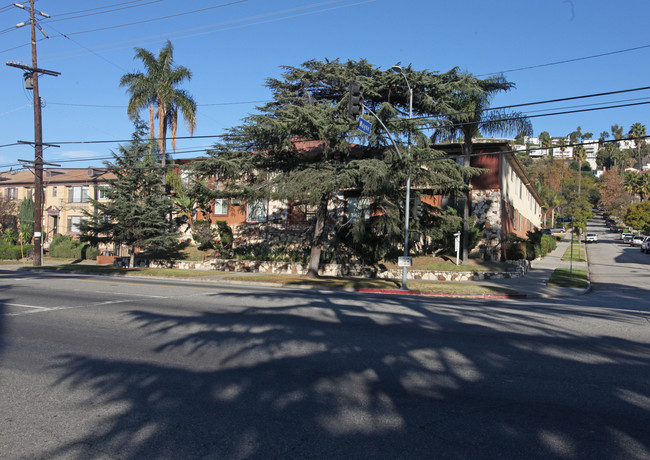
<point>46,309</point>
<point>25,306</point>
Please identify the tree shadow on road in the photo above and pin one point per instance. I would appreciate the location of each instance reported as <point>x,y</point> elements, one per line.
<point>392,378</point>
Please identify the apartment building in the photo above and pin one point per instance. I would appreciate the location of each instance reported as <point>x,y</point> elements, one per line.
<point>66,196</point>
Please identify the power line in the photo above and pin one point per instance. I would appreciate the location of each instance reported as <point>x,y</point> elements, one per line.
<point>566,61</point>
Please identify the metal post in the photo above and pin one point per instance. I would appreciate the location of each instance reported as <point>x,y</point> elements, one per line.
<point>407,208</point>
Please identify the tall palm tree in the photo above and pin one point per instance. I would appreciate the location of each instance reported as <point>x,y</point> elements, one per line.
<point>637,132</point>
<point>471,117</point>
<point>580,154</point>
<point>157,90</point>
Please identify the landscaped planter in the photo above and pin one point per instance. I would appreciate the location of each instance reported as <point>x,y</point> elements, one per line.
<point>339,270</point>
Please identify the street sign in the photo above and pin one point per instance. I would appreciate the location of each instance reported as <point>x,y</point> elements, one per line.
<point>564,219</point>
<point>404,261</point>
<point>364,125</point>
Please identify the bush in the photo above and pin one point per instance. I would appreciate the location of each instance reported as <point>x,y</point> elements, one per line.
<point>264,252</point>
<point>64,246</point>
<point>539,244</point>
<point>9,252</point>
<point>536,245</point>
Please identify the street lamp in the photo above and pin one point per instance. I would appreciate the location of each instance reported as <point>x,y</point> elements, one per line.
<point>398,69</point>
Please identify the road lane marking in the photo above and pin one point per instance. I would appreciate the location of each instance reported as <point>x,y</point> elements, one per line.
<point>25,306</point>
<point>46,309</point>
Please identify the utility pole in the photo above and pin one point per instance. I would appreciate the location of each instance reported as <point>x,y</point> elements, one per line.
<point>32,73</point>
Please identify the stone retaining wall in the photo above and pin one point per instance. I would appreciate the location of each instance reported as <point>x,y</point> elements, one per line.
<point>521,267</point>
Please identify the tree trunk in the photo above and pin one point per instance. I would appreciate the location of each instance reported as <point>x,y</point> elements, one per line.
<point>161,134</point>
<point>579,176</point>
<point>132,258</point>
<point>317,238</point>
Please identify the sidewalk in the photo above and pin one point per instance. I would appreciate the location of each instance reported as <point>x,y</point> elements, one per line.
<point>534,284</point>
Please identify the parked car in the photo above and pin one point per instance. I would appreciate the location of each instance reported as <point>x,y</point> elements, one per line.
<point>591,238</point>
<point>627,238</point>
<point>625,235</point>
<point>637,240</point>
<point>556,230</point>
<point>645,245</point>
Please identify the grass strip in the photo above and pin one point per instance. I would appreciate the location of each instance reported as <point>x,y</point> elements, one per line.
<point>110,270</point>
<point>563,277</point>
<point>290,280</point>
<point>579,254</point>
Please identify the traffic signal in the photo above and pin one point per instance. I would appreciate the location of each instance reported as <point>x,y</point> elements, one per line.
<point>417,208</point>
<point>354,103</point>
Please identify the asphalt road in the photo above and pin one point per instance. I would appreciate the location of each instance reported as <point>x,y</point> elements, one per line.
<point>100,367</point>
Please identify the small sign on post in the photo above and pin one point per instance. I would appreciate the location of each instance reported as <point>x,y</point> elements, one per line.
<point>457,246</point>
<point>404,261</point>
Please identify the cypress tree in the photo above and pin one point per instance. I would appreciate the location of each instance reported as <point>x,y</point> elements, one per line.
<point>137,212</point>
<point>266,157</point>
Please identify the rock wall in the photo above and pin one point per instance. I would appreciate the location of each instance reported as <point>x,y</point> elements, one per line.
<point>486,208</point>
<point>337,270</point>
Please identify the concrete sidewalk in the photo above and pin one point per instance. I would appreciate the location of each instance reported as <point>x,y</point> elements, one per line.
<point>534,283</point>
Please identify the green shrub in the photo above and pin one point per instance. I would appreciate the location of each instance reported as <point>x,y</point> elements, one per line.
<point>10,237</point>
<point>9,252</point>
<point>516,248</point>
<point>66,247</point>
<point>264,252</point>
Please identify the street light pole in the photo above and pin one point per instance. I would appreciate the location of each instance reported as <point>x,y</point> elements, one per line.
<point>407,209</point>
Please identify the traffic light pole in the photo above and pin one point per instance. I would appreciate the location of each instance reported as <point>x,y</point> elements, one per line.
<point>354,109</point>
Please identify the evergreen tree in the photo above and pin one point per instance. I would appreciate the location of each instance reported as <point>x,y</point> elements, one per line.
<point>136,213</point>
<point>271,155</point>
<point>26,218</point>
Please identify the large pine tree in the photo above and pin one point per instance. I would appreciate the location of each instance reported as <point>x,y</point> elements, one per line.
<point>137,212</point>
<point>265,157</point>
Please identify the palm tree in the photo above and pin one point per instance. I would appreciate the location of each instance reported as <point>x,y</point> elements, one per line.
<point>157,90</point>
<point>637,132</point>
<point>470,117</point>
<point>580,154</point>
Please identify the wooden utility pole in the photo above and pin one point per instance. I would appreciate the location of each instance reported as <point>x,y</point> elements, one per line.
<point>38,150</point>
<point>38,134</point>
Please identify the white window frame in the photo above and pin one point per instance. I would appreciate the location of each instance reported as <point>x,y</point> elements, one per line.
<point>78,194</point>
<point>257,211</point>
<point>221,206</point>
<point>101,192</point>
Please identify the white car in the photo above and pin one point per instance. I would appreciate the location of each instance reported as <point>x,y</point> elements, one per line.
<point>637,240</point>
<point>591,238</point>
<point>645,245</point>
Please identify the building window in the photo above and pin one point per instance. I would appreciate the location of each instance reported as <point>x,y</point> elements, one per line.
<point>11,193</point>
<point>256,211</point>
<point>102,192</point>
<point>78,194</point>
<point>221,207</point>
<point>358,208</point>
<point>73,223</point>
<point>54,191</point>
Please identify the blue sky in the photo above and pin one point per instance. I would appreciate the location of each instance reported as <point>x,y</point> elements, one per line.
<point>233,46</point>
